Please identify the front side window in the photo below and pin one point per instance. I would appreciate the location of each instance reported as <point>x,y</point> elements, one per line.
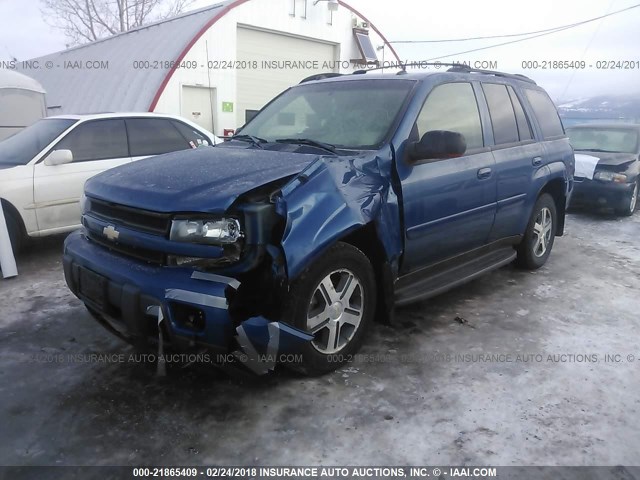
<point>346,114</point>
<point>96,140</point>
<point>546,113</point>
<point>452,107</point>
<point>618,140</point>
<point>154,136</point>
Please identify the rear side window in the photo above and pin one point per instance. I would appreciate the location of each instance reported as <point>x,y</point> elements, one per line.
<point>96,140</point>
<point>452,107</point>
<point>154,136</point>
<point>546,113</point>
<point>524,129</point>
<point>503,118</point>
<point>190,133</point>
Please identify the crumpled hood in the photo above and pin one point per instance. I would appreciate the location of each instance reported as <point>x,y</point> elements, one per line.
<point>611,159</point>
<point>199,180</point>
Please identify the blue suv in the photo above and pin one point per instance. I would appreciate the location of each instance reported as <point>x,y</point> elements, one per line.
<point>343,197</point>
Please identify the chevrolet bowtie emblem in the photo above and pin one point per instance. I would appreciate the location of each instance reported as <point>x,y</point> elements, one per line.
<point>111,233</point>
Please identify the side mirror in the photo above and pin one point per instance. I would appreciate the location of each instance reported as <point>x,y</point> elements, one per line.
<point>437,144</point>
<point>59,157</point>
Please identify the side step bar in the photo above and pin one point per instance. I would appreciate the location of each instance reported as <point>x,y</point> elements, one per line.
<point>440,278</point>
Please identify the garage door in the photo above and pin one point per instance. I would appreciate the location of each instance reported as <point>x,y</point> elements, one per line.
<point>257,87</point>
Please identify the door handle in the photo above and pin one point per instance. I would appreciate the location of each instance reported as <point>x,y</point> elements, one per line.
<point>484,173</point>
<point>536,161</point>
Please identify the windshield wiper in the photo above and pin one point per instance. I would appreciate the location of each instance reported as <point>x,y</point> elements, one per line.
<point>257,141</point>
<point>307,141</point>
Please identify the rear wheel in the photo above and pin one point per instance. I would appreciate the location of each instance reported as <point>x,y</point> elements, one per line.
<point>334,300</point>
<point>540,235</point>
<point>630,204</point>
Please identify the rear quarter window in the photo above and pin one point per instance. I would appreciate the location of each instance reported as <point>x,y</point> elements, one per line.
<point>546,113</point>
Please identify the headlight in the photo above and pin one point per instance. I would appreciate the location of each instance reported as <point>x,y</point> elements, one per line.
<point>610,177</point>
<point>214,232</point>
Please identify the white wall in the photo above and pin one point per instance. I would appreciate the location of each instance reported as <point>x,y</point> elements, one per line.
<point>274,15</point>
<point>18,109</point>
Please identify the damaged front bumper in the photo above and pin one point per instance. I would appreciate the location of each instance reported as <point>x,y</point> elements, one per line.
<point>135,300</point>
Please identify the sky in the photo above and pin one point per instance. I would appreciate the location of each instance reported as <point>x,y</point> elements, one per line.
<point>24,34</point>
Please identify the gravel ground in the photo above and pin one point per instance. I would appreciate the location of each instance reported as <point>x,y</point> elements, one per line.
<point>515,368</point>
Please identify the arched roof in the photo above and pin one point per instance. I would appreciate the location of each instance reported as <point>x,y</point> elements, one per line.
<point>120,87</point>
<point>12,79</point>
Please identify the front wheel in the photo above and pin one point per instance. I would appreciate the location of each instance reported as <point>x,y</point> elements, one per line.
<point>538,240</point>
<point>630,204</point>
<point>334,300</point>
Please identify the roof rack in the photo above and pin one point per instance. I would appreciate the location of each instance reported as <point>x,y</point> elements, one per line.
<point>466,69</point>
<point>454,67</point>
<point>321,76</point>
<point>403,66</point>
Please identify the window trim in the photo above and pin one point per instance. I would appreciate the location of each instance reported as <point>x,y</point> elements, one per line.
<point>520,143</point>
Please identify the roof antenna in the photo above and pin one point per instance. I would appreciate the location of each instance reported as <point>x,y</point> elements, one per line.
<point>211,102</point>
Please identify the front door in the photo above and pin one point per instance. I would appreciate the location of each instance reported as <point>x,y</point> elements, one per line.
<point>449,204</point>
<point>96,145</point>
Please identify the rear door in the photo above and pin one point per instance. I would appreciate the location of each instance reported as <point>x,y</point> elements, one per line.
<point>556,145</point>
<point>96,145</point>
<point>449,204</point>
<point>517,155</point>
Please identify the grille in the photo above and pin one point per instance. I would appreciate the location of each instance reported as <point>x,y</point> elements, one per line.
<point>148,256</point>
<point>142,220</point>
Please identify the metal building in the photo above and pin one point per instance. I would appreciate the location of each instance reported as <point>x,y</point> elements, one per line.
<point>215,66</point>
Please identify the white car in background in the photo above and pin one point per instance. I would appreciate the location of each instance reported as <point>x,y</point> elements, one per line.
<point>43,168</point>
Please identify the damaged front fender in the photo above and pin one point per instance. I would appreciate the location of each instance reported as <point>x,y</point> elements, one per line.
<point>333,198</point>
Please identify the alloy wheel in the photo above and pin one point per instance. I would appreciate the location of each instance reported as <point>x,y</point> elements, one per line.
<point>634,199</point>
<point>335,311</point>
<point>542,232</point>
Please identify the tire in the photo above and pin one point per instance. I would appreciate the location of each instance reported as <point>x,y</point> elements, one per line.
<point>318,304</point>
<point>535,247</point>
<point>630,204</point>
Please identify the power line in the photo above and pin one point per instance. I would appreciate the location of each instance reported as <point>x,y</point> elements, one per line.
<point>545,31</point>
<point>584,53</point>
<point>495,45</point>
